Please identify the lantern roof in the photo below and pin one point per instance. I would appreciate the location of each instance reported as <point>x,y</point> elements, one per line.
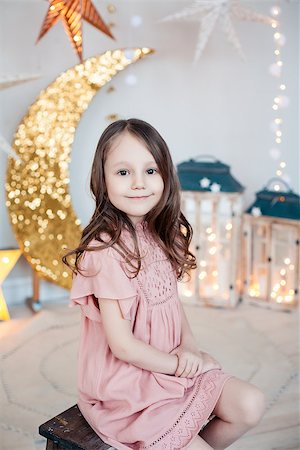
<point>284,204</point>
<point>209,176</point>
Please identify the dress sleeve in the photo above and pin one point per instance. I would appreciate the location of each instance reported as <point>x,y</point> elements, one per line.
<point>102,277</point>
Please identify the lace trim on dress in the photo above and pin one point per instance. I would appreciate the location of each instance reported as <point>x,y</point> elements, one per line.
<point>183,430</point>
<point>150,302</point>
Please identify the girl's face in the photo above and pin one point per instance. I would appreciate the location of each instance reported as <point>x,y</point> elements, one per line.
<point>133,182</point>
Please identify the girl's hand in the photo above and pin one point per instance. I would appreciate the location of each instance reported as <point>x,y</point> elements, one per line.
<point>192,362</point>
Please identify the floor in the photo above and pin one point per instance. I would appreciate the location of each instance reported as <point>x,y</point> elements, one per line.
<point>256,344</point>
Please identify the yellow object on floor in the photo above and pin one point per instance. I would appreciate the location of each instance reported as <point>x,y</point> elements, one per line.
<point>8,259</point>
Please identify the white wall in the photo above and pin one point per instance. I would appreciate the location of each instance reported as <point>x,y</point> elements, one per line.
<point>220,106</point>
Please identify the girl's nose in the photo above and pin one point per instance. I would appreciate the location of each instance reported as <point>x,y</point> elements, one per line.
<point>138,182</point>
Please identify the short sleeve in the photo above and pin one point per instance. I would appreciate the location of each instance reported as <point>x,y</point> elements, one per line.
<point>102,276</point>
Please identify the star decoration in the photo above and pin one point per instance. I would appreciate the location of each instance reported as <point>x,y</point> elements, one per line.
<point>215,187</point>
<point>71,12</point>
<point>256,212</point>
<point>222,12</point>
<point>204,182</point>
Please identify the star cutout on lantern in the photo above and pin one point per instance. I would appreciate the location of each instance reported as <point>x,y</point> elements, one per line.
<point>212,12</point>
<point>215,187</point>
<point>204,182</point>
<point>256,212</point>
<point>71,12</point>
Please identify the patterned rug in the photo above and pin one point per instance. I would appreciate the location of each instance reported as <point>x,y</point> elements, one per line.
<point>38,362</point>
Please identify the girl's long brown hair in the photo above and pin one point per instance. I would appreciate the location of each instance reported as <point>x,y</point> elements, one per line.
<point>165,221</point>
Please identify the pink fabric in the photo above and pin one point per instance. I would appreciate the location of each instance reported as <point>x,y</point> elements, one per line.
<point>128,407</point>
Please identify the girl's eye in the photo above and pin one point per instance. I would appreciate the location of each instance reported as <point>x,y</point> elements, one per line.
<point>122,172</point>
<point>151,171</point>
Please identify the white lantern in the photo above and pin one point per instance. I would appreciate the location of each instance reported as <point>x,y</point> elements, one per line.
<point>212,203</point>
<point>271,236</point>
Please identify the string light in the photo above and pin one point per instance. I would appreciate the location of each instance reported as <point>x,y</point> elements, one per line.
<point>280,101</point>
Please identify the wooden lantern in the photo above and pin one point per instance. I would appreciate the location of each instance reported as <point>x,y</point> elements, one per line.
<point>271,235</point>
<point>212,203</point>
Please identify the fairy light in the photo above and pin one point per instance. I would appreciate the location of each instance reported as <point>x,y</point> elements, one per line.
<point>280,291</point>
<point>280,100</point>
<point>228,226</point>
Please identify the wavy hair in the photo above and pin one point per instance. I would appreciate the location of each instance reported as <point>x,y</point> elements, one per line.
<point>166,223</point>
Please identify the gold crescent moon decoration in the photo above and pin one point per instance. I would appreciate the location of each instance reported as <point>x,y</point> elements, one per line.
<point>37,184</point>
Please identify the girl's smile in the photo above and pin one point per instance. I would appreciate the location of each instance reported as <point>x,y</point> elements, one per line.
<point>139,198</point>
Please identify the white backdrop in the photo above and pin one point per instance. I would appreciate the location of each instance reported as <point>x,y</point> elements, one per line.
<point>220,106</point>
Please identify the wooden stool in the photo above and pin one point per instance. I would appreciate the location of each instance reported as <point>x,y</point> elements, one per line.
<point>70,430</point>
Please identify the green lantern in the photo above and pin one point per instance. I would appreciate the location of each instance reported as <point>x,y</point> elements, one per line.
<point>212,203</point>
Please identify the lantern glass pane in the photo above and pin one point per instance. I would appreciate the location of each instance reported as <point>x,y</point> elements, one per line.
<point>215,248</point>
<point>216,219</point>
<point>283,266</point>
<point>259,262</point>
<point>189,208</point>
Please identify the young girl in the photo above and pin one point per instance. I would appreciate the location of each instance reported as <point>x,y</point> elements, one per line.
<point>142,381</point>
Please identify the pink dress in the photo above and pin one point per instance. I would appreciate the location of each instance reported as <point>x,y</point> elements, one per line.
<point>128,407</point>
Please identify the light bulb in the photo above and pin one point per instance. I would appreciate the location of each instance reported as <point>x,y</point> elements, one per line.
<point>275,11</point>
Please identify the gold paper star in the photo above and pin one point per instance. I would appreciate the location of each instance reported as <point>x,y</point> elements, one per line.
<point>71,12</point>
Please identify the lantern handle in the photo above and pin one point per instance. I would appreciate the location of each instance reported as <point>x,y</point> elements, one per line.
<point>288,187</point>
<point>205,156</point>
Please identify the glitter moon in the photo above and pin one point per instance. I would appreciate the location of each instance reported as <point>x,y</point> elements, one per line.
<point>37,183</point>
